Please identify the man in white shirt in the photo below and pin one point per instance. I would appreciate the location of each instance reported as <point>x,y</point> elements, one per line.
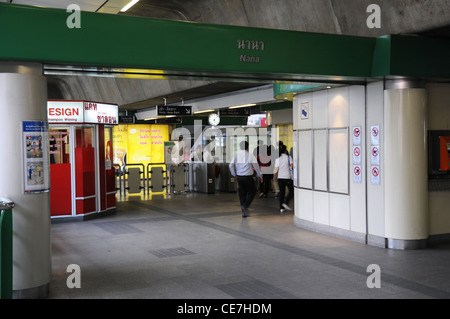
<point>243,167</point>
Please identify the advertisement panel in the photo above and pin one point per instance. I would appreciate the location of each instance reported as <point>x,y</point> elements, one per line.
<point>139,143</point>
<point>36,157</point>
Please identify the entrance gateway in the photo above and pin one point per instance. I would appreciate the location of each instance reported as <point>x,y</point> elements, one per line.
<point>39,43</point>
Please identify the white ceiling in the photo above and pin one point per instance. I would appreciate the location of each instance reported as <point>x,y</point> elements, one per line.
<point>104,6</point>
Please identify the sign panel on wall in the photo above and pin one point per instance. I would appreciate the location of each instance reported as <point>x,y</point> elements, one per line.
<point>82,112</point>
<point>375,135</point>
<point>305,111</point>
<point>357,174</point>
<point>357,135</point>
<point>65,112</point>
<point>357,155</point>
<point>375,155</point>
<point>375,175</point>
<point>36,157</point>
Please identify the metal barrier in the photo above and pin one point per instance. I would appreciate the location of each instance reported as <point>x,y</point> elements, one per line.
<point>156,178</point>
<point>132,180</point>
<point>6,261</point>
<point>178,176</point>
<point>171,178</point>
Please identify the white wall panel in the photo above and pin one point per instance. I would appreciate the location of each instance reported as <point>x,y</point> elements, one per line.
<point>338,109</point>
<point>375,193</point>
<point>320,106</point>
<point>320,160</point>
<point>304,205</point>
<point>321,208</point>
<point>357,104</point>
<point>338,161</point>
<point>340,211</point>
<point>305,159</point>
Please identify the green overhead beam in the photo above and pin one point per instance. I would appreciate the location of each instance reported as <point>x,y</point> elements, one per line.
<point>36,34</point>
<point>122,43</point>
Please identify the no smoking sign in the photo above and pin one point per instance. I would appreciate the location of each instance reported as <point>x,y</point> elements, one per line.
<point>375,155</point>
<point>375,175</point>
<point>356,155</point>
<point>357,174</point>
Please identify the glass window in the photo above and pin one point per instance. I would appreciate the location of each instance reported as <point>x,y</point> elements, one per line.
<point>84,137</point>
<point>59,145</point>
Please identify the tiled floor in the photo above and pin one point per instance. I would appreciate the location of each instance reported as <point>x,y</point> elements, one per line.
<point>197,246</point>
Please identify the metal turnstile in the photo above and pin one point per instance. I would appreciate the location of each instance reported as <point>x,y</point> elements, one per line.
<point>204,178</point>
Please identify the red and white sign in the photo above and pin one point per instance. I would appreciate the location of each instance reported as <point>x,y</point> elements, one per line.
<point>375,155</point>
<point>65,111</point>
<point>357,135</point>
<point>357,174</point>
<point>101,113</point>
<point>356,154</point>
<point>375,172</point>
<point>375,135</point>
<point>82,112</point>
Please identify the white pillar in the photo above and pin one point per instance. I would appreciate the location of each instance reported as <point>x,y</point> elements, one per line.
<point>23,96</point>
<point>406,179</point>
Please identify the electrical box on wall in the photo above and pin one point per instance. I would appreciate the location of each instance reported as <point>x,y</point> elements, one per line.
<point>439,154</point>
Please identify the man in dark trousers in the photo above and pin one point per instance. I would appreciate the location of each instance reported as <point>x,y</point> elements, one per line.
<point>243,166</point>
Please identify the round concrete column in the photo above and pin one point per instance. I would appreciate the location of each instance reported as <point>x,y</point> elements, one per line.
<point>406,179</point>
<point>23,96</point>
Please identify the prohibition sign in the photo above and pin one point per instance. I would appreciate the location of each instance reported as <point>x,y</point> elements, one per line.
<point>375,172</point>
<point>356,132</point>
<point>375,131</point>
<point>375,151</point>
<point>357,151</point>
<point>357,170</point>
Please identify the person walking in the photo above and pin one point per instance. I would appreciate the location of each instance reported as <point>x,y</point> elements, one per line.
<point>265,165</point>
<point>243,166</point>
<point>283,167</point>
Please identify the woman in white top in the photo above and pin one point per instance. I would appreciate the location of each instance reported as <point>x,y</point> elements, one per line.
<point>283,166</point>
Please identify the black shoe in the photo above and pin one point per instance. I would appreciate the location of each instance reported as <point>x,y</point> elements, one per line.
<point>245,212</point>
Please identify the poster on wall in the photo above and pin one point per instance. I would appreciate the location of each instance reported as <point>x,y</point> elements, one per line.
<point>36,157</point>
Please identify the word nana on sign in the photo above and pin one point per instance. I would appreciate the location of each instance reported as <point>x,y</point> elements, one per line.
<point>251,45</point>
<point>249,59</point>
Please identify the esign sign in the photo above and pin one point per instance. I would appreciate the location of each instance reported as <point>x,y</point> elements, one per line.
<point>60,111</point>
<point>65,111</point>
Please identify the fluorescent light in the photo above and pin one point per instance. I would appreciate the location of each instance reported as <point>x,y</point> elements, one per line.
<point>239,106</point>
<point>129,5</point>
<point>205,111</point>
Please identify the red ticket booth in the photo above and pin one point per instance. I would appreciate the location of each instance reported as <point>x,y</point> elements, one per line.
<point>82,178</point>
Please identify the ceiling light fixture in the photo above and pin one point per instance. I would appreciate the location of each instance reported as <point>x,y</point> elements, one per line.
<point>129,5</point>
<point>205,111</point>
<point>239,106</point>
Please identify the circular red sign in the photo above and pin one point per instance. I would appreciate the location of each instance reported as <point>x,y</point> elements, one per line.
<point>375,172</point>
